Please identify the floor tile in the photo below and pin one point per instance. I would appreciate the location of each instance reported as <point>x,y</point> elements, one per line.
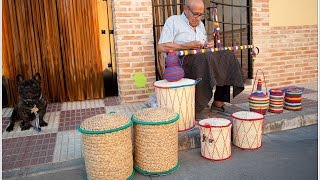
<point>125,109</point>
<point>5,123</point>
<point>68,146</point>
<point>111,101</point>
<point>311,96</point>
<point>27,151</point>
<point>67,106</point>
<point>52,118</point>
<point>53,107</point>
<point>71,118</point>
<point>6,112</point>
<point>313,86</point>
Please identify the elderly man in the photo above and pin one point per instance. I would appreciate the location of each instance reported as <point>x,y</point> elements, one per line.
<point>220,69</point>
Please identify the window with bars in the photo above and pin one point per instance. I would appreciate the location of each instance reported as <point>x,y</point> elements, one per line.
<point>234,19</point>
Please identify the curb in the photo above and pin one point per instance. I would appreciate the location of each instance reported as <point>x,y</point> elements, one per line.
<point>43,169</point>
<point>191,139</point>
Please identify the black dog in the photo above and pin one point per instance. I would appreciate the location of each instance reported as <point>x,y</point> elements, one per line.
<point>31,103</point>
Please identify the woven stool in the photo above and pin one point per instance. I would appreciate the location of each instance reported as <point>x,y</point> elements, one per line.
<point>155,141</point>
<point>107,147</point>
<point>215,138</point>
<point>180,97</point>
<point>247,129</point>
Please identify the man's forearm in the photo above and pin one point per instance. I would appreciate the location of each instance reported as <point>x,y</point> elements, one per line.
<point>165,47</point>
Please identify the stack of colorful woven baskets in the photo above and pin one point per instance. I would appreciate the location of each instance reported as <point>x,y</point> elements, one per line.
<point>276,101</point>
<point>259,101</point>
<point>293,98</point>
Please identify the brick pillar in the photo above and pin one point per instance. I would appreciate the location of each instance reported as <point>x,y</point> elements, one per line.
<point>134,46</point>
<point>260,31</point>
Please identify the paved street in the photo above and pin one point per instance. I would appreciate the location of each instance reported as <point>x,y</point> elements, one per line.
<point>285,155</point>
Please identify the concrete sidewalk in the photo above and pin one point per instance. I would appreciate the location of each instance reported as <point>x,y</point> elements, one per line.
<point>59,144</point>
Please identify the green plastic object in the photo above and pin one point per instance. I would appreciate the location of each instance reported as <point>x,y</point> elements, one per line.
<point>140,80</point>
<point>157,173</point>
<point>84,131</point>
<point>137,121</point>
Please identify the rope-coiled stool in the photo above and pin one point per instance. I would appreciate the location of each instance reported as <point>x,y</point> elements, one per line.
<point>155,141</point>
<point>107,147</point>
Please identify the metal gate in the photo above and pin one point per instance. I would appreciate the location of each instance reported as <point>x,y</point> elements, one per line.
<point>162,9</point>
<point>235,27</point>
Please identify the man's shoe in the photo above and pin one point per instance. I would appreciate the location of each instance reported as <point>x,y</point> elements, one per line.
<point>199,116</point>
<point>216,108</point>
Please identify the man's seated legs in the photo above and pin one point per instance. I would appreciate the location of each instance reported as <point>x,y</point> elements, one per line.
<point>221,95</point>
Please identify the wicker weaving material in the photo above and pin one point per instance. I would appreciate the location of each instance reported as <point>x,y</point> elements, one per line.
<point>104,122</point>
<point>215,134</point>
<point>107,155</point>
<point>155,115</point>
<point>247,129</point>
<point>180,97</point>
<point>155,146</point>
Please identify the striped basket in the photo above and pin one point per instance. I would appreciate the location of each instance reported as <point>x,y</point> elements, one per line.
<point>293,98</point>
<point>107,147</point>
<point>276,100</point>
<point>156,141</point>
<point>258,100</point>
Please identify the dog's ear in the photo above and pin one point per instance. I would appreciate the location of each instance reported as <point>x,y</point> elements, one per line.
<point>19,78</point>
<point>37,77</point>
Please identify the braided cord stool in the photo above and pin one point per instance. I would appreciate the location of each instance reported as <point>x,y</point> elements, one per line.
<point>107,147</point>
<point>155,141</point>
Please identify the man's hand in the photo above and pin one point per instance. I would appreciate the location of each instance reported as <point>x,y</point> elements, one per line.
<point>193,45</point>
<point>209,44</point>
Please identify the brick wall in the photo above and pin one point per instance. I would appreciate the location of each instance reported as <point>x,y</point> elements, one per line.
<point>134,47</point>
<point>288,54</point>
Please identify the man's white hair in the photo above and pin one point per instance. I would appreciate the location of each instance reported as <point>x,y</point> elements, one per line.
<point>187,2</point>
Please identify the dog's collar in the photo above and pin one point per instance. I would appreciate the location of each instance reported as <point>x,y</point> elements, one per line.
<point>33,102</point>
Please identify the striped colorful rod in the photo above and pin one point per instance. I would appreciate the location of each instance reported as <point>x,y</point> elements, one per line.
<point>199,51</point>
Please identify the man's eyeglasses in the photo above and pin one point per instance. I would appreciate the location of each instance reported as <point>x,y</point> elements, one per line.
<point>196,15</point>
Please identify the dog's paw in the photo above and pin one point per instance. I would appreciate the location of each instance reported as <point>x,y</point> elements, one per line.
<point>42,124</point>
<point>9,128</point>
<point>21,124</point>
<point>26,127</point>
